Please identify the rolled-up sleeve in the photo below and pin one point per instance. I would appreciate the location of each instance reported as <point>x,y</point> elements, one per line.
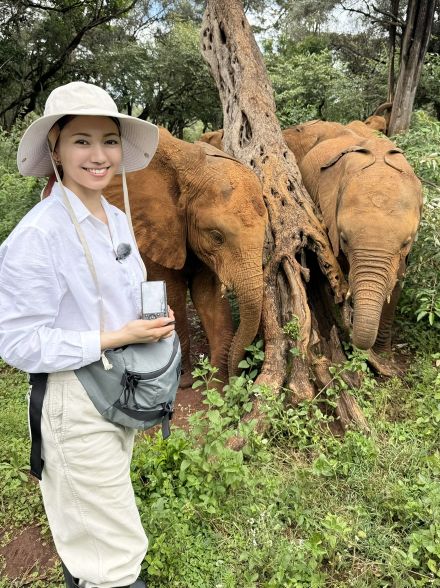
<point>30,296</point>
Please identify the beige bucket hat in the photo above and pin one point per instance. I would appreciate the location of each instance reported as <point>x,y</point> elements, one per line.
<point>139,137</point>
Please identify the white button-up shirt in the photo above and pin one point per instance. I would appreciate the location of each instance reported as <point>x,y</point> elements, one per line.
<point>49,305</point>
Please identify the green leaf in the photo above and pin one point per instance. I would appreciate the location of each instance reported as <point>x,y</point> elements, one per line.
<point>197,384</point>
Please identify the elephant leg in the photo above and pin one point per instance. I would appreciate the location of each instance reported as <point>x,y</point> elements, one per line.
<point>176,294</point>
<point>215,314</point>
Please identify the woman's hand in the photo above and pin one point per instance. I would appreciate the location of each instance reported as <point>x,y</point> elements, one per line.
<point>139,331</point>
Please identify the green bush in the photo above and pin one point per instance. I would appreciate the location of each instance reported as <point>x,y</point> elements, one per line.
<point>17,193</point>
<point>309,85</point>
<point>421,293</point>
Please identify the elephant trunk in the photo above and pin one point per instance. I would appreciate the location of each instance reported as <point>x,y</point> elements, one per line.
<point>371,282</point>
<point>249,292</point>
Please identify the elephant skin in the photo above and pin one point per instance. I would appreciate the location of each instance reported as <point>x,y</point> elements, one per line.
<point>300,138</point>
<point>371,201</point>
<point>199,219</point>
<point>377,123</point>
<point>365,129</point>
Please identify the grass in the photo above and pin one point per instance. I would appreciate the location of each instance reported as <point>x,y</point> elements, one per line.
<point>299,508</point>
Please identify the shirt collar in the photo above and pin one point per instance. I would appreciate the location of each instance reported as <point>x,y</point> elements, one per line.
<point>81,211</point>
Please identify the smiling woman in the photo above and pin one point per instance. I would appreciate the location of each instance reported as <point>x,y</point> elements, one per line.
<point>77,255</point>
<point>88,151</point>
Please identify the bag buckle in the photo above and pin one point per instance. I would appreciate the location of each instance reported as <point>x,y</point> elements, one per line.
<point>129,382</point>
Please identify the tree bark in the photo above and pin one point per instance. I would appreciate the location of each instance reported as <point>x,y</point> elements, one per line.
<point>298,256</point>
<point>392,30</point>
<point>420,15</point>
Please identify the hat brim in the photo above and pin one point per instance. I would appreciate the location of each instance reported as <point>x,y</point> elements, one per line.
<point>139,143</point>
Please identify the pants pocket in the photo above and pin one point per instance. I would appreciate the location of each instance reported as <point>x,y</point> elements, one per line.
<point>55,405</point>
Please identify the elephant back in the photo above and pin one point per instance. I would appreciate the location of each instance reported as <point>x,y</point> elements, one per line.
<point>321,155</point>
<point>304,137</point>
<point>362,129</point>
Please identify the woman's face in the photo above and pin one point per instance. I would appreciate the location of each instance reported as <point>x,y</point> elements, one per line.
<point>89,149</point>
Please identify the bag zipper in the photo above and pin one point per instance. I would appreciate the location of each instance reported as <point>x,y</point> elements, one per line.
<point>152,375</point>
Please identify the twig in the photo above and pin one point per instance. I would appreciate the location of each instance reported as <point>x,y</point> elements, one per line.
<point>429,183</point>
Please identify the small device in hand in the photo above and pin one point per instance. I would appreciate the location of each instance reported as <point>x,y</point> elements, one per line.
<point>154,299</point>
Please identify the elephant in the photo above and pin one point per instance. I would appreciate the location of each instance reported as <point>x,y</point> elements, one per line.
<point>214,138</point>
<point>199,219</point>
<point>364,129</point>
<point>377,123</point>
<point>380,119</point>
<point>300,138</point>
<point>371,201</point>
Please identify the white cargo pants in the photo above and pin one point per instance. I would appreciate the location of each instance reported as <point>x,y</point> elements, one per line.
<point>86,488</point>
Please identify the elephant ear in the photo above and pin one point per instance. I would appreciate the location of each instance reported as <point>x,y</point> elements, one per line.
<point>214,152</point>
<point>214,138</point>
<point>394,158</point>
<point>333,175</point>
<point>158,220</point>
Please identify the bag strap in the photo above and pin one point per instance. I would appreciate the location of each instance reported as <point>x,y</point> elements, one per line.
<point>38,383</point>
<point>83,240</point>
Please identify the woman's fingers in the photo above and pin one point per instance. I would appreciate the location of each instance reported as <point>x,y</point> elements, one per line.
<point>148,331</point>
<point>161,331</point>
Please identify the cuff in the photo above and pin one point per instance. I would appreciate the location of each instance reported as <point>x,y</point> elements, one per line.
<point>91,346</point>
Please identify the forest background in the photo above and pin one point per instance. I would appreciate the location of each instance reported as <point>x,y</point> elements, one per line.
<point>303,508</point>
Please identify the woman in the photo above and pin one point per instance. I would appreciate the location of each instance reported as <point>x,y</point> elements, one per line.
<point>50,323</point>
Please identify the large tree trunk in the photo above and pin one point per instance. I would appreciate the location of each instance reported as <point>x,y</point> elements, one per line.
<point>415,40</point>
<point>392,31</point>
<point>298,257</point>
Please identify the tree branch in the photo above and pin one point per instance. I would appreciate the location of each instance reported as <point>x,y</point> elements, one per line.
<point>42,82</point>
<point>385,23</point>
<point>357,53</point>
<point>394,19</point>
<point>64,10</point>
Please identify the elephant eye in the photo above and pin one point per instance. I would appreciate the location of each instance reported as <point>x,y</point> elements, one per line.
<point>343,239</point>
<point>406,242</point>
<point>217,237</point>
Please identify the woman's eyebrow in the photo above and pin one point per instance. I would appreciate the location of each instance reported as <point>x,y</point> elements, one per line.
<point>88,135</point>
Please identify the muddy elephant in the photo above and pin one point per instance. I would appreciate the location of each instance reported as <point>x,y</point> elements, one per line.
<point>199,219</point>
<point>300,138</point>
<point>214,138</point>
<point>377,123</point>
<point>371,202</point>
<point>362,128</point>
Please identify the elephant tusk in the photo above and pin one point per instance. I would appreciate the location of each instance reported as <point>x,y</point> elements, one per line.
<point>223,290</point>
<point>389,298</point>
<point>348,296</point>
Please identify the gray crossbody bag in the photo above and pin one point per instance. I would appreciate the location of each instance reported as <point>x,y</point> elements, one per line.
<point>135,385</point>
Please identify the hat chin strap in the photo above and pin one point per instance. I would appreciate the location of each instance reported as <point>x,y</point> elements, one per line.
<point>83,240</point>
